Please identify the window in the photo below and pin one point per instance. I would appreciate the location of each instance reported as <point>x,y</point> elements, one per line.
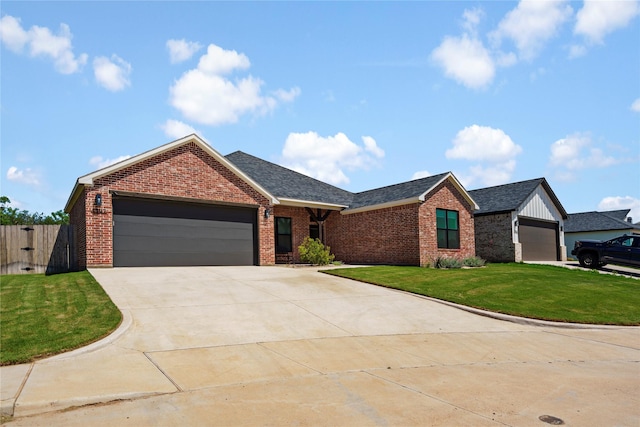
<point>314,231</point>
<point>283,235</point>
<point>448,229</point>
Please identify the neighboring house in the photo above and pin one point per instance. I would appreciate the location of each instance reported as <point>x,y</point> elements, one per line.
<point>597,226</point>
<point>522,221</point>
<point>185,204</point>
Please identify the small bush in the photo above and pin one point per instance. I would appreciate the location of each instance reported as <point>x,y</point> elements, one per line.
<point>473,261</point>
<point>444,262</point>
<point>313,251</point>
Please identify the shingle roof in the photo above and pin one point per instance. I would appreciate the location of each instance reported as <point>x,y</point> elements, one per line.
<point>597,221</point>
<point>396,192</point>
<point>509,197</point>
<point>286,183</point>
<point>621,214</point>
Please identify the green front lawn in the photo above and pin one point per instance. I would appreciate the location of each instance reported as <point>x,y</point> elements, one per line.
<point>45,315</point>
<point>527,290</point>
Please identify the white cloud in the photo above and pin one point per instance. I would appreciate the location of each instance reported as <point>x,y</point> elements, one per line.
<point>23,176</point>
<point>488,176</point>
<point>204,96</point>
<point>420,174</point>
<point>100,162</point>
<point>177,129</point>
<point>471,19</point>
<point>483,143</point>
<point>219,61</point>
<point>181,50</point>
<point>575,152</point>
<point>42,42</point>
<point>617,203</point>
<point>493,148</point>
<point>531,25</point>
<point>371,146</point>
<point>635,106</point>
<point>465,60</point>
<point>287,95</point>
<point>112,74</point>
<point>12,34</point>
<point>597,18</point>
<point>327,158</point>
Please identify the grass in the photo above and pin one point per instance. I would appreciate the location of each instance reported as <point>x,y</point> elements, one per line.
<point>46,315</point>
<point>527,290</point>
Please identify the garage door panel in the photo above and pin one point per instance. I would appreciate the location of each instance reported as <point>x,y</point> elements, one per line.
<point>205,235</point>
<point>150,259</point>
<point>539,240</point>
<point>173,227</point>
<point>176,245</point>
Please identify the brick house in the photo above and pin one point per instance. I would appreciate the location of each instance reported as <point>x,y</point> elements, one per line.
<point>521,221</point>
<point>183,203</point>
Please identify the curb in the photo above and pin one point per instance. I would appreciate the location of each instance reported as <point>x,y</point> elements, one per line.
<point>522,320</point>
<point>8,406</point>
<point>127,321</point>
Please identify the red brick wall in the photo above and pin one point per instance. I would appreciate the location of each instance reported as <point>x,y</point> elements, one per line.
<point>445,196</point>
<point>185,171</point>
<point>299,225</point>
<point>77,218</point>
<point>401,235</point>
<point>384,236</point>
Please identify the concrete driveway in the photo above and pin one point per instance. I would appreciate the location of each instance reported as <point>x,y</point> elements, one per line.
<point>291,346</point>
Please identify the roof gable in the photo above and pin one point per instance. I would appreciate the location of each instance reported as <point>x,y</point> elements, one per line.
<point>405,192</point>
<point>193,138</point>
<point>509,197</point>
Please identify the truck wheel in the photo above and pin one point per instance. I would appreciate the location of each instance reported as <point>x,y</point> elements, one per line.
<point>588,260</point>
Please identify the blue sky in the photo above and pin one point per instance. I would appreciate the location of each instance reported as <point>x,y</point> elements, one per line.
<point>357,94</point>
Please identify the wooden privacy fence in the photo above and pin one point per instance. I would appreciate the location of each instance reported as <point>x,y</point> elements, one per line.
<point>37,249</point>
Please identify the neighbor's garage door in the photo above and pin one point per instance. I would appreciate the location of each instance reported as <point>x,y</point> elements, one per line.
<point>539,240</point>
<point>166,233</point>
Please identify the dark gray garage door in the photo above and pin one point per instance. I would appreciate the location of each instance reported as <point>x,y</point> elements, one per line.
<point>166,233</point>
<point>539,240</point>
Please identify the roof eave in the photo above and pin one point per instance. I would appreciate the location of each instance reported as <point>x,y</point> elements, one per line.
<point>456,183</point>
<point>90,178</point>
<point>555,199</point>
<point>310,204</point>
<point>382,205</point>
<point>75,193</point>
<point>497,212</point>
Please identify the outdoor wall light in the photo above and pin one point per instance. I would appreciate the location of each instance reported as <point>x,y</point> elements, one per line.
<point>98,200</point>
<point>267,212</point>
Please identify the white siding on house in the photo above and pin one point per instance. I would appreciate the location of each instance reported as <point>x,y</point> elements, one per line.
<point>540,206</point>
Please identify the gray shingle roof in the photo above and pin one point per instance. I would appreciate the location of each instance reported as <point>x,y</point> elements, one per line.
<point>286,183</point>
<point>509,197</point>
<point>597,221</point>
<point>392,193</point>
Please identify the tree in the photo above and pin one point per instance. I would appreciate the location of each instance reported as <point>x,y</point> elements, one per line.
<point>13,216</point>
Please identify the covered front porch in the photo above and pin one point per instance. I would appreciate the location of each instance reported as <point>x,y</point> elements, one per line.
<point>293,223</point>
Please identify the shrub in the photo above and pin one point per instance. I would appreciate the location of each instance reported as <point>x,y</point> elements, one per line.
<point>473,261</point>
<point>444,262</point>
<point>313,251</point>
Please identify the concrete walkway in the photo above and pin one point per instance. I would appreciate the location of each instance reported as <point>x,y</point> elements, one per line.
<point>290,346</point>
